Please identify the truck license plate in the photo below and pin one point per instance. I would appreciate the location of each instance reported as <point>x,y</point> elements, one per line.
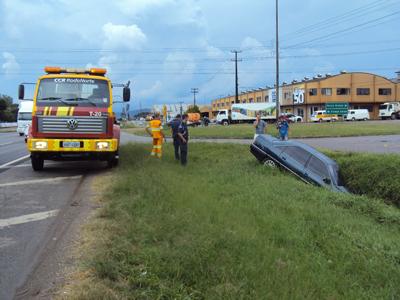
<point>71,144</point>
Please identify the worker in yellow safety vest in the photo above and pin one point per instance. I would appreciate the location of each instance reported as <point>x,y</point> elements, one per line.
<point>155,130</point>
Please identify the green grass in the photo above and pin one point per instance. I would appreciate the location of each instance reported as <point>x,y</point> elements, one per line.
<point>225,227</point>
<point>375,175</point>
<point>8,129</point>
<point>300,130</point>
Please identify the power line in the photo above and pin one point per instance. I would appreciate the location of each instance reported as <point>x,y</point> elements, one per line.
<point>350,15</point>
<point>329,36</point>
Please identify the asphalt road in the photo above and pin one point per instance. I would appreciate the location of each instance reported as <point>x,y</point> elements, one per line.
<point>12,146</point>
<point>36,209</point>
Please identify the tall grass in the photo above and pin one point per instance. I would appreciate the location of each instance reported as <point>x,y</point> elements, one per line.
<point>375,175</point>
<point>225,227</point>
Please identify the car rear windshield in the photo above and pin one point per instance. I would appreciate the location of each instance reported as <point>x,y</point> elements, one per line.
<point>298,154</point>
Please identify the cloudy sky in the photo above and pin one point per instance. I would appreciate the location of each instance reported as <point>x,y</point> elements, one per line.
<point>167,47</point>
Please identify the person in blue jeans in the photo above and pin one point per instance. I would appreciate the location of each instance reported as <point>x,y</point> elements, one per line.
<point>283,127</point>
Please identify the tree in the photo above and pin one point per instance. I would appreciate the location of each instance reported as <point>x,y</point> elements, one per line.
<point>8,110</point>
<point>193,109</point>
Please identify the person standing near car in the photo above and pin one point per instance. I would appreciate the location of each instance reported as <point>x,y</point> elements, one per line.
<point>183,134</point>
<point>260,125</point>
<point>174,130</point>
<point>283,128</point>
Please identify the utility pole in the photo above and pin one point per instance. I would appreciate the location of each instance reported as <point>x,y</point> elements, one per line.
<point>278,107</point>
<point>194,91</point>
<point>236,60</point>
<point>181,102</point>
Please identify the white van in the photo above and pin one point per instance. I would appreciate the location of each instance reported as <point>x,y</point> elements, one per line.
<point>357,115</point>
<point>24,116</point>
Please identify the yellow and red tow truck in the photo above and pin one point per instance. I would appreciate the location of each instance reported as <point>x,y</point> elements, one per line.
<point>73,117</point>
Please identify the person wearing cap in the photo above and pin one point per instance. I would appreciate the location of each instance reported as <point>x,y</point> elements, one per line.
<point>174,130</point>
<point>183,135</point>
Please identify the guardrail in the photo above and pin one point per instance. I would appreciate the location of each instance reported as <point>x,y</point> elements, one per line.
<point>6,125</point>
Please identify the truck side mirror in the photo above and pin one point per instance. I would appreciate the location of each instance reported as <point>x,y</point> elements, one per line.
<point>126,94</point>
<point>21,92</point>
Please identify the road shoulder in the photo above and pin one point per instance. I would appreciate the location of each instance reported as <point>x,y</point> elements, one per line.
<point>58,258</point>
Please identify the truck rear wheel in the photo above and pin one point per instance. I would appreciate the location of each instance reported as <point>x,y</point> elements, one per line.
<point>393,117</point>
<point>37,162</point>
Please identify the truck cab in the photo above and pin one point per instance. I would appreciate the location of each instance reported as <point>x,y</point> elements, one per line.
<point>223,117</point>
<point>73,118</point>
<point>389,110</point>
<point>24,118</point>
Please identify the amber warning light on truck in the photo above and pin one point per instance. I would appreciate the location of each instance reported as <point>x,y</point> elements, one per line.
<point>91,71</point>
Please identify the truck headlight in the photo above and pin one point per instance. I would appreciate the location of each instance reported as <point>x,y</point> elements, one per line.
<point>102,145</point>
<point>40,145</point>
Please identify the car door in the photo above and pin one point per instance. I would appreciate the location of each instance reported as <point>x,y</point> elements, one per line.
<point>295,159</point>
<point>317,171</point>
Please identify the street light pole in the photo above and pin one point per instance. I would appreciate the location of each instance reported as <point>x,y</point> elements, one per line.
<point>194,91</point>
<point>278,108</point>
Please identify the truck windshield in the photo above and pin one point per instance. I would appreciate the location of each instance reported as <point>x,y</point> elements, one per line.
<point>73,92</point>
<point>383,106</point>
<point>25,116</point>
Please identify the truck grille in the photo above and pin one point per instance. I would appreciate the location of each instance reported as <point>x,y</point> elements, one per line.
<point>81,125</point>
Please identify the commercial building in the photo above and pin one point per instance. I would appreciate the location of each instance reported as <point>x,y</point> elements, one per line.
<point>303,97</point>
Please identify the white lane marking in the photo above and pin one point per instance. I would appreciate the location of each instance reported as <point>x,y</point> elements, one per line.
<point>14,161</point>
<point>35,181</point>
<point>28,218</point>
<point>5,144</point>
<point>28,165</point>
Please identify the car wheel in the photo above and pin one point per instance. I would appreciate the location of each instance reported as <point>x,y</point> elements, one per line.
<point>298,120</point>
<point>37,163</point>
<point>365,119</point>
<point>353,119</point>
<point>320,120</point>
<point>269,163</point>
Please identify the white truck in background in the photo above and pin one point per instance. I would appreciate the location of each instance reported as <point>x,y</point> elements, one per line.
<point>389,110</point>
<point>24,119</point>
<point>246,113</point>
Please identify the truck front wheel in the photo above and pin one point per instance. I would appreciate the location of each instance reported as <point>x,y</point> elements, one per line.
<point>113,160</point>
<point>393,116</point>
<point>37,162</point>
<point>225,122</point>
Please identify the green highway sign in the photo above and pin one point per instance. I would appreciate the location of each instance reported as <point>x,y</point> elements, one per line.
<point>337,108</point>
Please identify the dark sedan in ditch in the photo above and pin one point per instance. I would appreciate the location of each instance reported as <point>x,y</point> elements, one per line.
<point>303,161</point>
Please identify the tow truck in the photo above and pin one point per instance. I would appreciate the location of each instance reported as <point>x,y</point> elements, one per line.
<point>73,118</point>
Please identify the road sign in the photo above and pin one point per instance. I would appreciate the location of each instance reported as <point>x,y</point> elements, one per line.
<point>337,108</point>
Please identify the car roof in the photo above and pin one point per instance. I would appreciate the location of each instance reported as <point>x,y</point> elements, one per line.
<point>276,142</point>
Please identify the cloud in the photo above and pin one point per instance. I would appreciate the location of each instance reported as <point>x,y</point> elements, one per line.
<point>123,36</point>
<point>10,66</point>
<point>136,7</point>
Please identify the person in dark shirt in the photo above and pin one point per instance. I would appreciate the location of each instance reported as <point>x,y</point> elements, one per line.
<point>183,134</point>
<point>174,130</point>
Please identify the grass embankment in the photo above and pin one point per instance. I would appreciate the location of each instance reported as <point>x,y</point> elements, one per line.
<point>374,175</point>
<point>225,227</point>
<point>299,130</point>
<point>8,129</point>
